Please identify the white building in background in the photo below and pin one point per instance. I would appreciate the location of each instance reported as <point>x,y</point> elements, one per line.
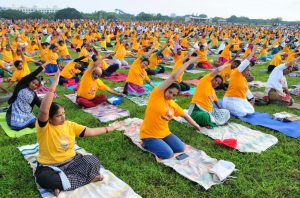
<point>33,9</point>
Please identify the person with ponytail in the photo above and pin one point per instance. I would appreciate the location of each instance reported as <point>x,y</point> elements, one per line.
<point>19,114</point>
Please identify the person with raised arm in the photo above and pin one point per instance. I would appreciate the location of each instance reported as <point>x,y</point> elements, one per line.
<point>161,108</point>
<point>237,95</point>
<point>59,167</point>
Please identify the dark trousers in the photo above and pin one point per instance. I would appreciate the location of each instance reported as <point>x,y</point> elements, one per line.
<point>158,70</point>
<point>111,69</point>
<point>48,178</point>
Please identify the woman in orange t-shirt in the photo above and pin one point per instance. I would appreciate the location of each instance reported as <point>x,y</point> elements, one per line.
<point>201,108</point>
<point>161,108</point>
<point>235,99</point>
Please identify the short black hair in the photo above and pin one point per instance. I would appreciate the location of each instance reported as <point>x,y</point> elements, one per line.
<point>17,63</point>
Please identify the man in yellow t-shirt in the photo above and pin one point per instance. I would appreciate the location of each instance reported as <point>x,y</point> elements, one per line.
<point>89,85</point>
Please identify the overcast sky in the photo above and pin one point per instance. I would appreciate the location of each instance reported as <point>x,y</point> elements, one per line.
<point>289,10</point>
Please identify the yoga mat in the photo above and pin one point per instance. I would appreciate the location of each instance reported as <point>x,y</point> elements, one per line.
<point>294,75</point>
<point>5,98</point>
<point>193,71</point>
<point>12,133</point>
<point>248,140</point>
<point>197,167</point>
<point>103,112</point>
<point>116,77</point>
<point>110,186</point>
<point>257,84</point>
<point>163,76</point>
<point>291,129</point>
<point>192,82</point>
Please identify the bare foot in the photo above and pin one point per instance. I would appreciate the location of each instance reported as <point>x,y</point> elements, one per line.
<point>97,178</point>
<point>56,192</point>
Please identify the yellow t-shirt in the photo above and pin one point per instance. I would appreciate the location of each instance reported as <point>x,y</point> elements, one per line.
<point>120,53</point>
<point>238,85</point>
<point>177,65</point>
<point>69,70</point>
<point>276,60</point>
<point>226,53</point>
<point>202,55</point>
<point>158,114</point>
<point>63,50</point>
<point>44,53</point>
<point>88,86</point>
<point>205,94</point>
<point>19,74</point>
<point>84,52</point>
<point>56,143</point>
<point>7,56</point>
<point>225,73</point>
<point>263,52</point>
<point>52,56</point>
<point>137,75</point>
<point>153,61</point>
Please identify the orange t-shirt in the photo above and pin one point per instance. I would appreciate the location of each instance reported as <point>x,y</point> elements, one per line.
<point>69,70</point>
<point>177,65</point>
<point>88,86</point>
<point>226,53</point>
<point>158,114</point>
<point>205,94</point>
<point>238,85</point>
<point>202,55</point>
<point>276,60</point>
<point>137,75</point>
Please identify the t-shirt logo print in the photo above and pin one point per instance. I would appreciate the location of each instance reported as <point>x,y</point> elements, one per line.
<point>169,114</point>
<point>64,142</point>
<point>92,90</point>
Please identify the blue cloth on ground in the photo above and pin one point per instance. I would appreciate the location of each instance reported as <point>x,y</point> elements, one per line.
<point>291,129</point>
<point>191,91</point>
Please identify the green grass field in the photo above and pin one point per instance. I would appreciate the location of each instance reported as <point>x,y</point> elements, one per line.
<point>273,173</point>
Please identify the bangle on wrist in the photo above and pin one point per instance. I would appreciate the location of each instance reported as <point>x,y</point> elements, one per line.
<point>106,130</point>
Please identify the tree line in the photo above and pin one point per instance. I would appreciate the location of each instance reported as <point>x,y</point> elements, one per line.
<point>72,13</point>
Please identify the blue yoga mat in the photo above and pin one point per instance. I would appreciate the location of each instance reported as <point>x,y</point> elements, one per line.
<point>291,129</point>
<point>191,91</point>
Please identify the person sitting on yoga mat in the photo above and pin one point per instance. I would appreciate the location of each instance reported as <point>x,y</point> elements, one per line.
<point>202,61</point>
<point>235,99</point>
<point>20,70</point>
<point>7,55</point>
<point>121,53</point>
<point>90,84</point>
<point>137,75</point>
<point>277,88</point>
<point>52,67</point>
<point>19,114</point>
<point>154,59</point>
<point>161,108</point>
<point>59,167</point>
<point>201,108</point>
<point>71,70</point>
